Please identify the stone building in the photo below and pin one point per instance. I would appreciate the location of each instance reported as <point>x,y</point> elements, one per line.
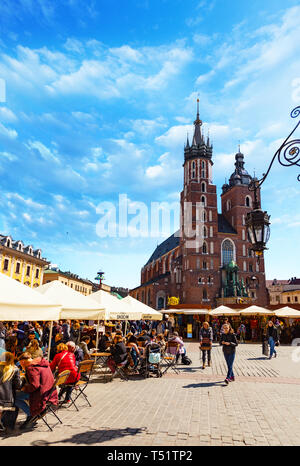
<point>23,263</point>
<point>208,261</point>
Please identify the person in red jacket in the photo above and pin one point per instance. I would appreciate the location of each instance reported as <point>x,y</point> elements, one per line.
<point>64,360</point>
<point>39,382</point>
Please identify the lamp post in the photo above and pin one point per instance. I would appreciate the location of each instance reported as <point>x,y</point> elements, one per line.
<point>258,221</point>
<point>100,277</point>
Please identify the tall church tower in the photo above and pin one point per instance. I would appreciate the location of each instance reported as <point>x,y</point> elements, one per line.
<point>199,218</point>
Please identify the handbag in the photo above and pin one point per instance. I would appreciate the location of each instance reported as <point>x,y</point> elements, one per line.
<point>205,344</point>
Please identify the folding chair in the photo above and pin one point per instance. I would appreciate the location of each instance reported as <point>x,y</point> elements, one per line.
<point>120,370</point>
<point>86,368</point>
<point>170,357</point>
<point>59,380</point>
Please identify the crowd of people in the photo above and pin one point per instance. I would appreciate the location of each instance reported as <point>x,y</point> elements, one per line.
<point>30,359</point>
<point>31,355</point>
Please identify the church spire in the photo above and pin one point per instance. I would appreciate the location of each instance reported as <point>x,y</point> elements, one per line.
<point>197,139</point>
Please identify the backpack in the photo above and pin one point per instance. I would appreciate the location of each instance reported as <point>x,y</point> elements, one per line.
<point>186,361</point>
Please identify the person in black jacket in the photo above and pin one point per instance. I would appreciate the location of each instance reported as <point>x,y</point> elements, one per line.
<point>229,342</point>
<point>10,382</point>
<point>272,338</point>
<point>206,338</point>
<point>118,353</point>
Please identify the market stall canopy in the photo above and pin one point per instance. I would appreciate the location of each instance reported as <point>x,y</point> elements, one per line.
<point>224,311</point>
<point>256,310</point>
<point>148,313</point>
<point>186,311</point>
<point>287,312</point>
<point>74,305</point>
<point>115,309</point>
<point>18,302</point>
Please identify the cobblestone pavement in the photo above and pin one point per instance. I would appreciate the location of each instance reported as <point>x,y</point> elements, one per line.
<point>195,407</point>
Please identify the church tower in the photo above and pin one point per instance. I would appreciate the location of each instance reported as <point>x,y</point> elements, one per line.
<point>237,200</point>
<point>199,218</point>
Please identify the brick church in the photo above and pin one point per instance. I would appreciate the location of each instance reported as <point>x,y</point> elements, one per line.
<point>208,262</point>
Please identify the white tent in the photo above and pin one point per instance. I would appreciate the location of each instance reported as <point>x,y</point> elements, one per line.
<point>74,304</point>
<point>287,312</point>
<point>255,310</point>
<point>18,302</point>
<point>223,311</point>
<point>148,312</point>
<point>115,308</point>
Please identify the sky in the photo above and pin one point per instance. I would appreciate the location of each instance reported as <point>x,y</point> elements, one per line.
<point>97,99</point>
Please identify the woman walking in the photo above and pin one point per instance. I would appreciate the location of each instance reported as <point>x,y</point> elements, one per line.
<point>206,338</point>
<point>229,342</point>
<point>272,338</point>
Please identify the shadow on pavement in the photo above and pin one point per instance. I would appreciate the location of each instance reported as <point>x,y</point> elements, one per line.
<point>205,384</point>
<point>263,358</point>
<point>92,437</point>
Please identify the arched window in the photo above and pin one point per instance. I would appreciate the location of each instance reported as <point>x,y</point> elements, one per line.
<point>204,232</point>
<point>203,216</point>
<point>227,251</point>
<point>204,248</point>
<point>149,298</point>
<point>193,170</point>
<point>203,187</point>
<point>204,294</point>
<point>203,200</point>
<point>248,201</point>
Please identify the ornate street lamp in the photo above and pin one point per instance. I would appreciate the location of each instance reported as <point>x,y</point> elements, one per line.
<point>258,221</point>
<point>100,277</point>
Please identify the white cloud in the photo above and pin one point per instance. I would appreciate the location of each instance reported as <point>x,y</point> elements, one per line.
<point>44,152</point>
<point>7,132</point>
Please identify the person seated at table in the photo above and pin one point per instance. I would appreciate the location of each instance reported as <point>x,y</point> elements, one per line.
<point>39,381</point>
<point>34,349</point>
<point>144,337</point>
<point>84,345</point>
<point>176,338</point>
<point>10,382</point>
<point>118,353</point>
<point>64,360</point>
<point>134,349</point>
<point>166,334</point>
<point>54,348</point>
<point>104,342</point>
<point>152,334</point>
<point>161,341</point>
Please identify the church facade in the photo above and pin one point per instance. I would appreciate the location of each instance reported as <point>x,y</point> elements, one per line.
<point>209,261</point>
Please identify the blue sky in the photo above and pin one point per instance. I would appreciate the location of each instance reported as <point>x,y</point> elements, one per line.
<point>100,96</point>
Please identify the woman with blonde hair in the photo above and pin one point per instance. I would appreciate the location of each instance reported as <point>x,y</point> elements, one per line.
<point>34,349</point>
<point>10,382</point>
<point>206,338</point>
<point>229,342</point>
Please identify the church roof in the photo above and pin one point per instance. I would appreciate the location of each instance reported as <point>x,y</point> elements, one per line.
<point>224,226</point>
<point>240,176</point>
<point>164,247</point>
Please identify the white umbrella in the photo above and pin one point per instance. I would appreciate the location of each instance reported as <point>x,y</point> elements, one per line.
<point>223,310</point>
<point>148,312</point>
<point>115,309</point>
<point>18,302</point>
<point>256,310</point>
<point>74,304</point>
<point>287,312</point>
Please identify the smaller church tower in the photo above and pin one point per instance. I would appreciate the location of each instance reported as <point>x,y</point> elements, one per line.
<point>237,200</point>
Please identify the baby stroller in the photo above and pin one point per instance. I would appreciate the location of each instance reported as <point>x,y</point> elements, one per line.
<point>151,363</point>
